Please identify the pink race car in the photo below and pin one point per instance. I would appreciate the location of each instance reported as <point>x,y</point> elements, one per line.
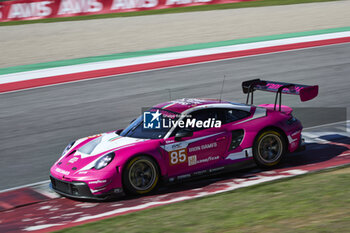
<point>181,139</point>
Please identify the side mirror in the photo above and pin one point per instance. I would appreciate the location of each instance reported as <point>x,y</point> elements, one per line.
<point>182,133</point>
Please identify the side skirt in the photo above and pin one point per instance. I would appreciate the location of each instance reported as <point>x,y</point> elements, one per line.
<point>210,172</point>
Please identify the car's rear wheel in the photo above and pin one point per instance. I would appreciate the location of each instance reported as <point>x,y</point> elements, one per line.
<point>269,148</point>
<point>141,175</point>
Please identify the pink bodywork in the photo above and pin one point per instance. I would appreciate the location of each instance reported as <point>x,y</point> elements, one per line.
<point>211,152</point>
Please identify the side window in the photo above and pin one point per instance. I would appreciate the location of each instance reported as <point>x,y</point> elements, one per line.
<point>232,115</point>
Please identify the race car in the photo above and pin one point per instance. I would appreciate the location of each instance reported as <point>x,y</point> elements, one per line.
<point>182,139</point>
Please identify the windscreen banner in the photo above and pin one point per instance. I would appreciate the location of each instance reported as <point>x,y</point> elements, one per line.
<point>39,9</point>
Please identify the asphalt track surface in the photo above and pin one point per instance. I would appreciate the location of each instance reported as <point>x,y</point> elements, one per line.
<point>37,124</point>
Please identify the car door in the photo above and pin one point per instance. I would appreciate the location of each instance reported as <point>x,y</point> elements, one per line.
<point>236,149</point>
<point>200,151</point>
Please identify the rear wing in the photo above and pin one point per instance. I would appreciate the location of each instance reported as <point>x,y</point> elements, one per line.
<point>304,91</point>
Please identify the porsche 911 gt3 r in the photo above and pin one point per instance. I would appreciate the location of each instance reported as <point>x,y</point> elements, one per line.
<point>182,139</point>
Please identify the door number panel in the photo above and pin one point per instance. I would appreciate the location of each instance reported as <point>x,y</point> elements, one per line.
<point>178,156</point>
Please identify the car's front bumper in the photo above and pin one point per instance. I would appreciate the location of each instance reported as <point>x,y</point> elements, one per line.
<point>80,190</point>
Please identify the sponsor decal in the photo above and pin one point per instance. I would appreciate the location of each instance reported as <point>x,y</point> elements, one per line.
<point>184,2</point>
<point>203,147</point>
<point>59,170</point>
<point>184,176</point>
<point>184,144</point>
<point>276,86</point>
<point>209,146</point>
<point>38,9</point>
<point>216,169</point>
<point>190,101</point>
<point>73,160</point>
<point>32,9</point>
<point>79,6</point>
<point>98,182</point>
<point>131,4</point>
<point>192,160</point>
<point>176,146</point>
<point>199,173</point>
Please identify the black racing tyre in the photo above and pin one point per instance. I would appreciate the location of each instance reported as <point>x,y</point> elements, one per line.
<point>269,148</point>
<point>141,175</point>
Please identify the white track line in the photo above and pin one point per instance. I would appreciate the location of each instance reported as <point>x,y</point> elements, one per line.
<point>324,125</point>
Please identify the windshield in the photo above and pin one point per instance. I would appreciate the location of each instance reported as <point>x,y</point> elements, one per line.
<point>150,128</point>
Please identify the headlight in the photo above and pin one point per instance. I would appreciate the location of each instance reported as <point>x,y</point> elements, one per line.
<point>104,161</point>
<point>68,147</point>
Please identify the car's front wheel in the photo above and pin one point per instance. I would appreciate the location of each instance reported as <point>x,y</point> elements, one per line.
<point>269,148</point>
<point>141,175</point>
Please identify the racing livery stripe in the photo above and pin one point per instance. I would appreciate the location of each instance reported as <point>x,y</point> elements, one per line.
<point>246,153</point>
<point>168,105</point>
<point>259,112</point>
<point>115,138</point>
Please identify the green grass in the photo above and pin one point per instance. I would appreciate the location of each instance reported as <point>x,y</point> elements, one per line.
<point>317,202</point>
<point>168,11</point>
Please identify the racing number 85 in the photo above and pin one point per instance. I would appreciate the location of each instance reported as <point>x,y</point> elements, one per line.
<point>178,156</point>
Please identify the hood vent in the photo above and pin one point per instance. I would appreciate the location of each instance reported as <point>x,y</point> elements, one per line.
<point>89,147</point>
